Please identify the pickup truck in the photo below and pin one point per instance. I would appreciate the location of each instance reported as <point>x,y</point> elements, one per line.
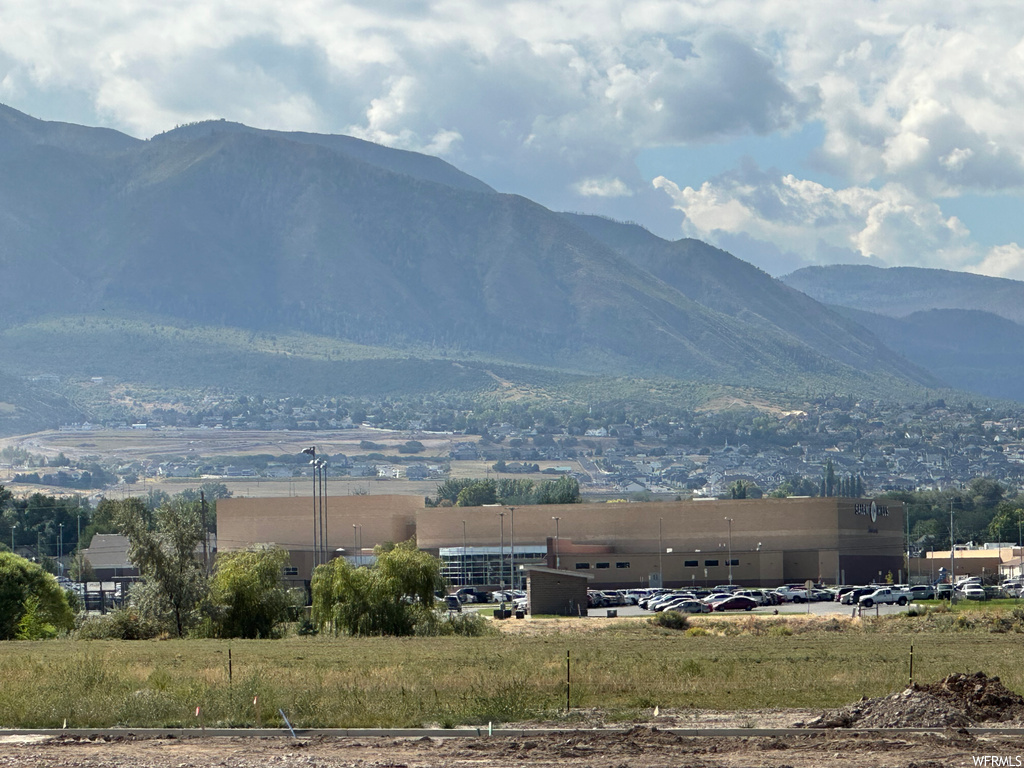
<point>886,595</point>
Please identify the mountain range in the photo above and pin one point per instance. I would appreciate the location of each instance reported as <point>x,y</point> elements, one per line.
<point>229,229</point>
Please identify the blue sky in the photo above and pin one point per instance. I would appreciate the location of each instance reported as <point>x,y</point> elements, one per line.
<point>886,133</point>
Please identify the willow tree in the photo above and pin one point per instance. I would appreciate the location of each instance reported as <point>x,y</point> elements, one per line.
<point>248,592</point>
<point>389,598</point>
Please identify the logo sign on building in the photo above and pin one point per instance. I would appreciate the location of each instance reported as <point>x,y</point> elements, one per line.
<point>872,510</point>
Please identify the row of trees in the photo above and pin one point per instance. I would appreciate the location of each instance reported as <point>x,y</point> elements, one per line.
<point>466,492</point>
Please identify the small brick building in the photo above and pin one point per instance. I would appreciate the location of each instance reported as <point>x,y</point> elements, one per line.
<point>559,593</point>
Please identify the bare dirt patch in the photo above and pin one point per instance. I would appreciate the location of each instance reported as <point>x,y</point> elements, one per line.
<point>957,701</point>
<point>638,747</point>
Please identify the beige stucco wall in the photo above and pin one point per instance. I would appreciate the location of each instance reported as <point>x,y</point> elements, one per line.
<point>775,540</point>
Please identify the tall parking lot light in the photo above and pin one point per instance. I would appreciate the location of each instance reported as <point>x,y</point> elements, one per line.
<point>729,520</point>
<point>311,451</point>
<point>557,562</point>
<point>512,548</point>
<point>501,560</point>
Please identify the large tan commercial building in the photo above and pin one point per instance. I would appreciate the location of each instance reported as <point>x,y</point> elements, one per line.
<point>750,541</point>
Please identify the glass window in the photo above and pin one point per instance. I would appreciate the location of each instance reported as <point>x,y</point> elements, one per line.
<point>622,565</point>
<point>709,563</point>
<point>604,565</point>
<point>691,564</point>
<point>582,566</point>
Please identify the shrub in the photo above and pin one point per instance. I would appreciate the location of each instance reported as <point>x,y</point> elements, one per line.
<point>462,624</point>
<point>120,624</point>
<point>672,620</point>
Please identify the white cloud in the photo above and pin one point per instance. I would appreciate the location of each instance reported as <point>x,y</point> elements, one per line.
<point>603,188</point>
<point>919,100</point>
<point>890,225</point>
<point>1002,261</point>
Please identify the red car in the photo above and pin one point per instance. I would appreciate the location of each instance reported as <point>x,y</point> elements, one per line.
<point>734,603</point>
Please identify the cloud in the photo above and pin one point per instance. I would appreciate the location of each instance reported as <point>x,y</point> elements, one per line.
<point>603,188</point>
<point>1002,261</point>
<point>918,101</point>
<point>890,225</point>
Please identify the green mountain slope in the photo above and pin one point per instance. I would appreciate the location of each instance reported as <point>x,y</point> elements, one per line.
<point>260,232</point>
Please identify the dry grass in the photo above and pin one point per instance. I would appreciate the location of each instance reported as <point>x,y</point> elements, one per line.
<point>623,667</point>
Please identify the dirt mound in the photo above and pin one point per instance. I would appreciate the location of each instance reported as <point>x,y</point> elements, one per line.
<point>958,701</point>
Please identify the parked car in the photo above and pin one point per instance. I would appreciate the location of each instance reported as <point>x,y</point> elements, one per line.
<point>922,592</point>
<point>466,595</point>
<point>973,592</point>
<point>453,604</point>
<point>852,596</point>
<point>734,603</point>
<point>757,595</point>
<point>691,606</point>
<point>884,596</point>
<point>943,591</point>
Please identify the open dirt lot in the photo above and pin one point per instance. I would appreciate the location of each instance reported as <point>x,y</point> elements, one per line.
<point>640,747</point>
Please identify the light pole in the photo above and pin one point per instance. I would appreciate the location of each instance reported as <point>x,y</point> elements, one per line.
<point>512,548</point>
<point>465,580</point>
<point>501,562</point>
<point>13,526</point>
<point>311,451</point>
<point>323,508</point>
<point>557,563</point>
<point>60,548</point>
<point>661,549</point>
<point>729,520</point>
<point>952,556</point>
<point>1020,551</point>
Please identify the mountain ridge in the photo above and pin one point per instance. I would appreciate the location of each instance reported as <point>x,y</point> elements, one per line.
<point>225,225</point>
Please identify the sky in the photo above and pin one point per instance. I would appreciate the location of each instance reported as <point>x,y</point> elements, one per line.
<point>788,133</point>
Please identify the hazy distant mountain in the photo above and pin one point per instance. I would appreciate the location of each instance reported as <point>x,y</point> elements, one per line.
<point>965,329</point>
<point>901,291</point>
<point>970,350</point>
<point>219,224</point>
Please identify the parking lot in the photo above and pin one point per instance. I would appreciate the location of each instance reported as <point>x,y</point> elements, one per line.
<point>789,609</point>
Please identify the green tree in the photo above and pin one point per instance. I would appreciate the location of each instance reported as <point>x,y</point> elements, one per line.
<point>477,494</point>
<point>248,592</point>
<point>564,490</point>
<point>26,590</point>
<point>388,599</point>
<point>1007,523</point>
<point>173,582</point>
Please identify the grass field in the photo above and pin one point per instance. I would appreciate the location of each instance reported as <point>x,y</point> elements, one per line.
<point>624,667</point>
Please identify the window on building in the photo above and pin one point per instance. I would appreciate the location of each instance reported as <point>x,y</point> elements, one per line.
<point>291,570</point>
<point>691,563</point>
<point>734,561</point>
<point>582,566</point>
<point>603,565</point>
<point>710,563</point>
<point>622,565</point>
